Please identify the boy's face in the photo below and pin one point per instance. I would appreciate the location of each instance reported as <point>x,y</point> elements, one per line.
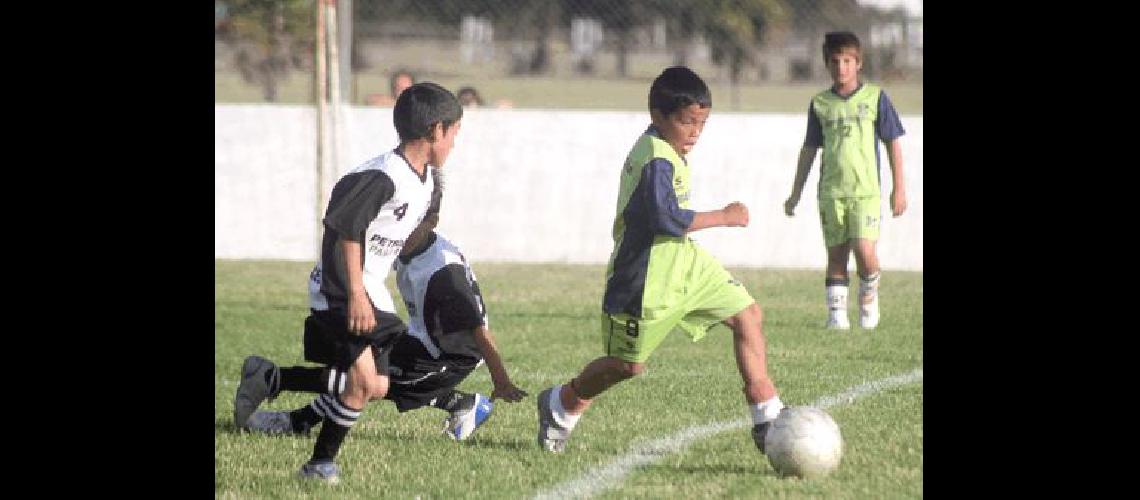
<point>442,143</point>
<point>844,66</point>
<point>681,128</point>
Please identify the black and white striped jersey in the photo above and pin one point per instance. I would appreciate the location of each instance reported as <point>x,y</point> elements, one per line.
<point>378,203</point>
<point>443,299</point>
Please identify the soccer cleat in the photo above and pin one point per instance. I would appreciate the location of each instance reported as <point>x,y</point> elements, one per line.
<point>272,422</point>
<point>869,314</point>
<point>838,321</point>
<point>324,471</point>
<point>473,411</point>
<point>551,436</point>
<point>253,389</point>
<point>759,432</point>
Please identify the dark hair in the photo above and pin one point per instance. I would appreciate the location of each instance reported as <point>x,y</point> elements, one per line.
<point>678,87</point>
<point>420,107</point>
<point>835,41</point>
<point>436,193</point>
<point>396,76</point>
<point>469,91</point>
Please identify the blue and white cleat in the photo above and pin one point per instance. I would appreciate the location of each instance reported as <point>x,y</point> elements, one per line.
<point>473,411</point>
<point>323,471</point>
<point>272,423</point>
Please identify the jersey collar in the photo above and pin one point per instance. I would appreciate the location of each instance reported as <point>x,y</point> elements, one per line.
<point>856,91</point>
<point>423,176</point>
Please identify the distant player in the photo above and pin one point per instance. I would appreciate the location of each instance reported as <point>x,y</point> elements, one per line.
<point>847,121</point>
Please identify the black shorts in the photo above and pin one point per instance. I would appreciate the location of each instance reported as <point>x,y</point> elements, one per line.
<point>415,378</point>
<point>328,341</point>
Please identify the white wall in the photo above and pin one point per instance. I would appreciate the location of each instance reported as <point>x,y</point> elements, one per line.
<point>265,175</point>
<point>540,185</point>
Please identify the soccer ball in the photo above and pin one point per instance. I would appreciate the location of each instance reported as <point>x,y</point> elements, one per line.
<point>805,442</point>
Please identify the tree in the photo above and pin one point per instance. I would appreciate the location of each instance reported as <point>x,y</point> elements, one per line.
<point>619,16</point>
<point>281,32</point>
<point>733,29</point>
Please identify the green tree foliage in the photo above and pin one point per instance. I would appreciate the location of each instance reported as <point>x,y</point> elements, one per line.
<point>272,36</point>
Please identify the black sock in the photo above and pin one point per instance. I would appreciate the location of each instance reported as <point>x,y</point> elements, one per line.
<point>304,418</point>
<point>339,418</point>
<point>451,401</point>
<point>829,281</point>
<point>303,379</point>
<point>328,441</point>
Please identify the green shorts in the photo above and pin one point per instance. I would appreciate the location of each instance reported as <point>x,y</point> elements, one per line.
<point>843,219</point>
<point>707,295</point>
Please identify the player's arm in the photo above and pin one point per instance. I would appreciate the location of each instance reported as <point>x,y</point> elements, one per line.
<point>898,185</point>
<point>812,140</point>
<point>355,200</point>
<point>460,312</point>
<point>734,214</point>
<point>665,215</point>
<point>504,388</point>
<point>361,319</point>
<point>889,128</point>
<point>803,167</point>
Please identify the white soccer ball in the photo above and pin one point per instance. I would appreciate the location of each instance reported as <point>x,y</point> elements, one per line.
<point>804,441</point>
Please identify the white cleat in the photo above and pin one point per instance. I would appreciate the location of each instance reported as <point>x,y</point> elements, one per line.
<point>838,321</point>
<point>869,315</point>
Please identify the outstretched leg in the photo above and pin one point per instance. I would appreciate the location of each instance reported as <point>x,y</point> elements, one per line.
<point>752,360</point>
<point>560,407</point>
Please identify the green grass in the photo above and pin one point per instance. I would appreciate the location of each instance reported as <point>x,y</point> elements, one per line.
<point>570,93</point>
<point>545,321</point>
<point>561,88</point>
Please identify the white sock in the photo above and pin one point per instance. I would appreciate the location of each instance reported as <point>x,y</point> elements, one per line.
<point>837,299</point>
<point>766,411</point>
<point>564,419</point>
<point>869,286</point>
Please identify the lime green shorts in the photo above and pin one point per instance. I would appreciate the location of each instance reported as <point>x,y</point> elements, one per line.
<point>708,295</point>
<point>843,219</point>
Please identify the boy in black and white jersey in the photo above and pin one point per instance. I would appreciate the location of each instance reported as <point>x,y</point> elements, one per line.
<point>448,337</point>
<point>353,323</point>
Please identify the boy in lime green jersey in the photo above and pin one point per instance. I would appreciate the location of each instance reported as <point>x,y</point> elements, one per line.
<point>658,278</point>
<point>847,120</point>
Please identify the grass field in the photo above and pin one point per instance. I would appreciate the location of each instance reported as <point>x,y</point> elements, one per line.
<point>544,318</point>
<point>572,93</point>
<point>560,89</point>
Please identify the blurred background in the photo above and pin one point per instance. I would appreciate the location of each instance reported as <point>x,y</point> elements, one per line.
<point>758,55</point>
<point>555,94</point>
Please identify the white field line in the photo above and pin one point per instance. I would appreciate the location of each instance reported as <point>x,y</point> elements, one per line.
<point>610,475</point>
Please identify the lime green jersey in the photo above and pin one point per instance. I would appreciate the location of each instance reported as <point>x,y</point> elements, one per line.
<point>650,245</point>
<point>851,128</point>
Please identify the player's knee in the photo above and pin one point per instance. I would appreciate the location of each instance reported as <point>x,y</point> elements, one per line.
<point>751,315</point>
<point>629,370</point>
<point>379,388</point>
<point>364,388</point>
